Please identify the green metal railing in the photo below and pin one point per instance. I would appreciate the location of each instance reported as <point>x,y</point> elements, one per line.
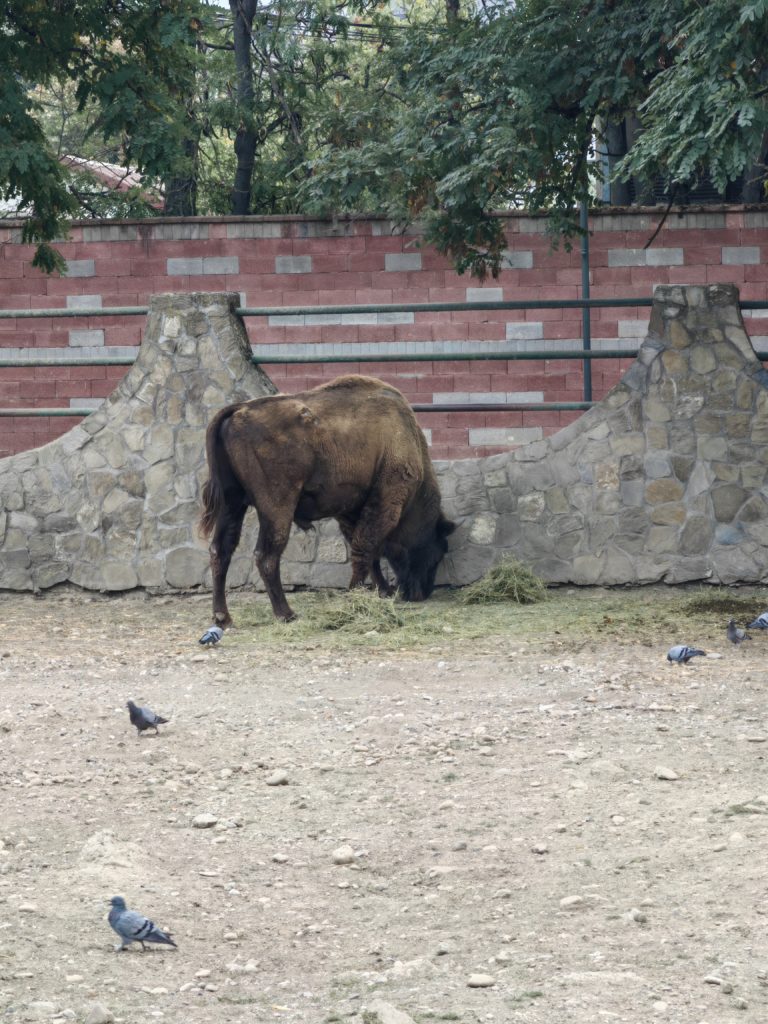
<point>263,356</point>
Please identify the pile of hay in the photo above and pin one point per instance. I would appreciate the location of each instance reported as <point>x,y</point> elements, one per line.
<point>359,611</point>
<point>508,580</point>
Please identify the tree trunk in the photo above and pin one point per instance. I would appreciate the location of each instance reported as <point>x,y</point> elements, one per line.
<point>181,189</point>
<point>753,189</point>
<point>616,146</point>
<point>243,12</point>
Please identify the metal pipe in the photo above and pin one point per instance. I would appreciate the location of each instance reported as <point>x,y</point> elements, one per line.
<point>446,357</point>
<point>586,321</point>
<point>458,407</point>
<point>392,307</point>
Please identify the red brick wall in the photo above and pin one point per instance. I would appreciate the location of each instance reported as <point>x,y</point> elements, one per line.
<point>296,261</point>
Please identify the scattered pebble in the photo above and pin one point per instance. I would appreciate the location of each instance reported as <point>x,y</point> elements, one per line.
<point>572,903</point>
<point>343,855</point>
<point>277,778</point>
<point>481,981</point>
<point>666,774</point>
<point>99,1014</point>
<point>204,820</point>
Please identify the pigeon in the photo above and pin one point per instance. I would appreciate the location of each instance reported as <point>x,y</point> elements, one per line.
<point>761,622</point>
<point>144,718</point>
<point>736,634</point>
<point>681,654</point>
<point>134,927</point>
<point>211,636</point>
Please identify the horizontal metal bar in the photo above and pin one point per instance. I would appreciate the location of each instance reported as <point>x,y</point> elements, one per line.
<point>446,357</point>
<point>67,361</point>
<point>58,411</point>
<point>391,307</point>
<point>429,407</point>
<point>386,357</point>
<point>503,407</point>
<point>30,314</point>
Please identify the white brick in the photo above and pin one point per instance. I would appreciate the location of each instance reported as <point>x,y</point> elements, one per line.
<point>520,259</point>
<point>221,265</point>
<point>740,255</point>
<point>663,257</point>
<point>645,257</point>
<point>83,302</point>
<point>503,436</point>
<point>633,328</point>
<point>529,330</point>
<point>183,266</point>
<point>293,264</point>
<point>474,397</point>
<point>394,261</point>
<point>485,294</point>
<point>85,403</point>
<point>78,339</point>
<point>80,268</point>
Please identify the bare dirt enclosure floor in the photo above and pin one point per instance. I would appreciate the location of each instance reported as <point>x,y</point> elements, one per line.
<point>539,819</point>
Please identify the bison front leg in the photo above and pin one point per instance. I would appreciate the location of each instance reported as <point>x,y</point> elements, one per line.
<point>372,529</point>
<point>272,540</point>
<point>384,588</point>
<point>226,537</point>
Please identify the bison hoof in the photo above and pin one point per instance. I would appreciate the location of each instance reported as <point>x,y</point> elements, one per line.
<point>223,619</point>
<point>290,617</point>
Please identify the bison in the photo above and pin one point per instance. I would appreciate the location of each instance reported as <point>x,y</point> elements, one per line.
<point>350,449</point>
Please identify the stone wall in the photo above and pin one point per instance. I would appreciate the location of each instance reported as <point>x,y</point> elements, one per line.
<point>665,479</point>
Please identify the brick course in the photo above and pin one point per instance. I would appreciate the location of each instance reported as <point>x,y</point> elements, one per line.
<point>297,261</point>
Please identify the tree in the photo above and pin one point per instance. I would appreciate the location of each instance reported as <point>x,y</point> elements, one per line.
<point>504,106</point>
<point>130,58</point>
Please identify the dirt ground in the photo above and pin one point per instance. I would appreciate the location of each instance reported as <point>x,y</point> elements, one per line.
<point>553,809</point>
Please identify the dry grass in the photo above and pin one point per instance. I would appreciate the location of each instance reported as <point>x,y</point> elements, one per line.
<point>359,611</point>
<point>508,580</point>
<point>653,615</point>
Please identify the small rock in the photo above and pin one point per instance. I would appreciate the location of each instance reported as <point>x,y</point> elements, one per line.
<point>277,778</point>
<point>740,1004</point>
<point>380,1012</point>
<point>72,978</point>
<point>666,774</point>
<point>27,908</point>
<point>99,1014</point>
<point>572,903</point>
<point>343,855</point>
<point>540,848</point>
<point>279,858</point>
<point>204,973</point>
<point>713,979</point>
<point>481,981</point>
<point>231,936</point>
<point>204,820</point>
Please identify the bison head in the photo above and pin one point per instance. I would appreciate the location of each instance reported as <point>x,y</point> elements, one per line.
<point>416,567</point>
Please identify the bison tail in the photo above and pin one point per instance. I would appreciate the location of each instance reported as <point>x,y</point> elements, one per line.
<point>218,468</point>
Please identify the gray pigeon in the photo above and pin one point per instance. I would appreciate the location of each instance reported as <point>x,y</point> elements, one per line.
<point>681,654</point>
<point>144,718</point>
<point>736,634</point>
<point>134,927</point>
<point>761,622</point>
<point>211,636</point>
